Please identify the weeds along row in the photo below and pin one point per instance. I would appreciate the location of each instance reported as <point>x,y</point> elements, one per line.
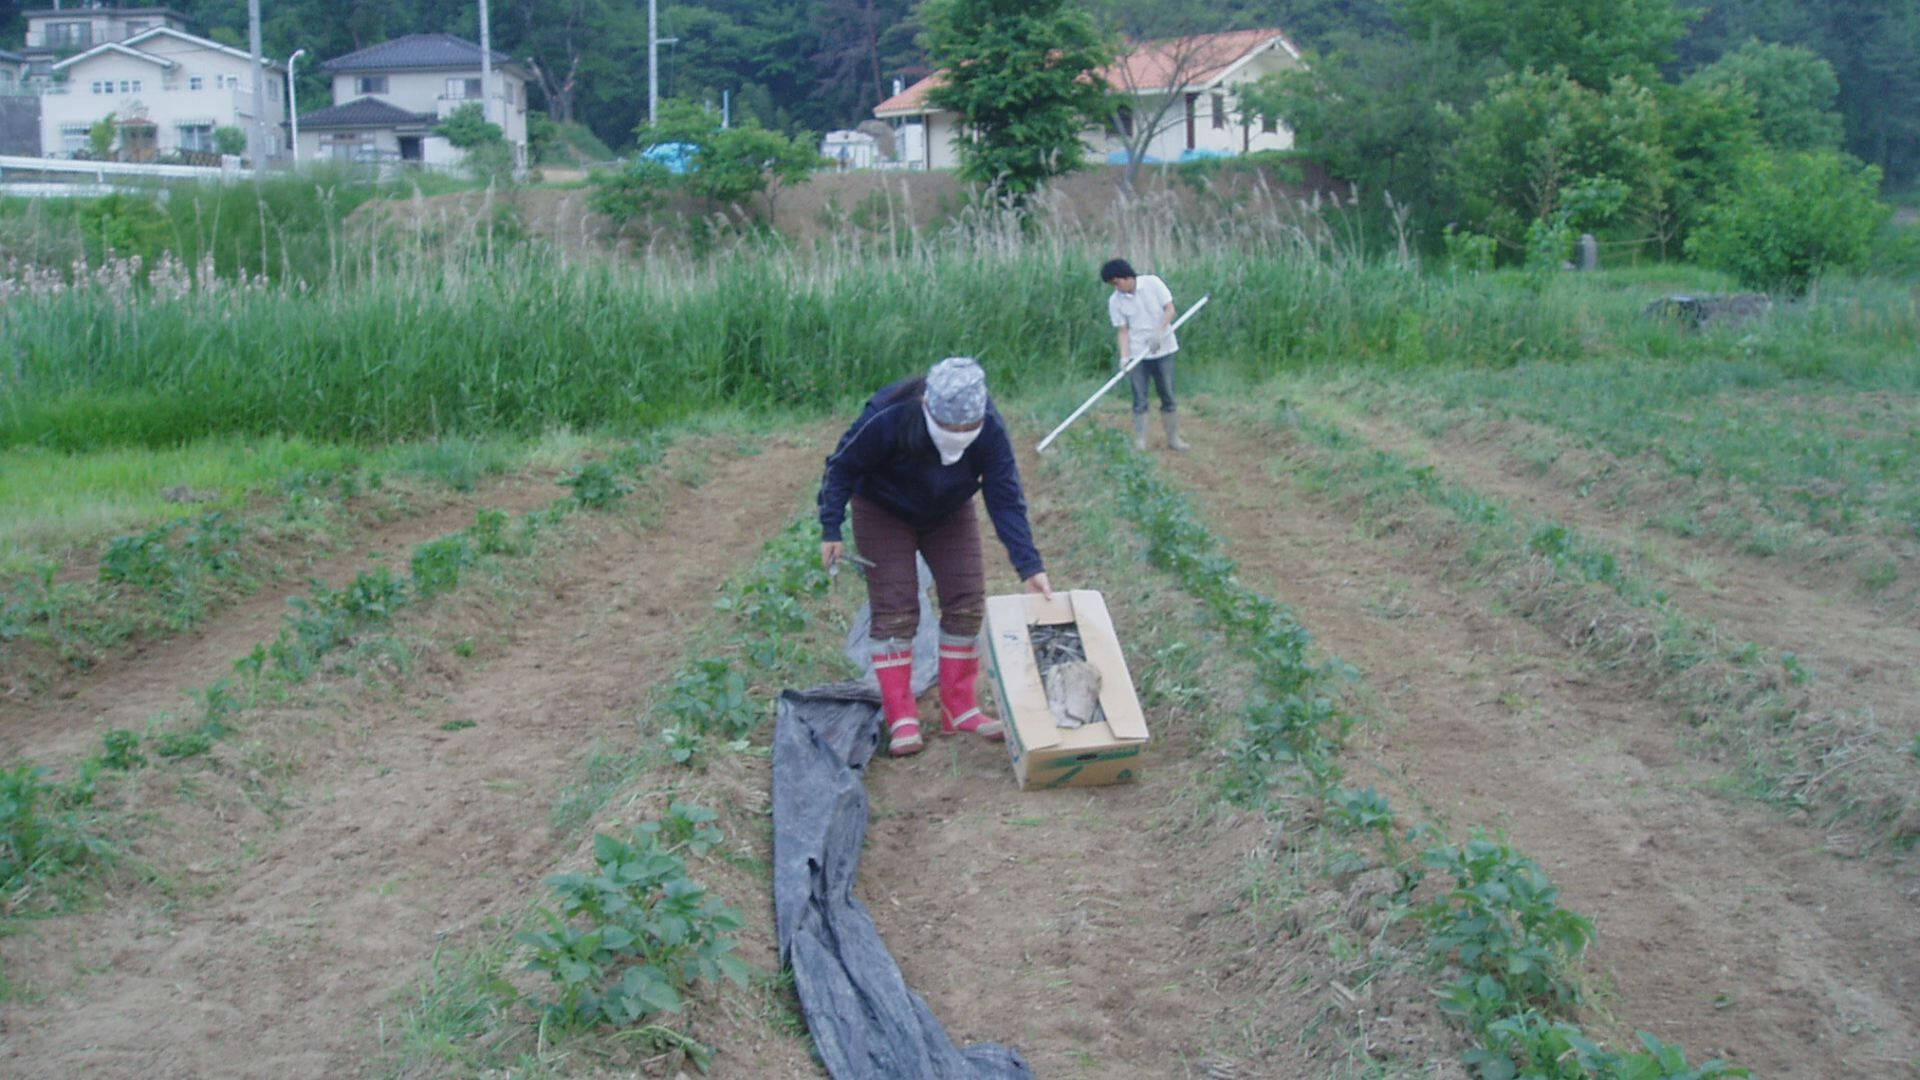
<point>526,341</point>
<point>173,575</point>
<point>57,824</point>
<point>632,955</point>
<point>1759,705</point>
<point>1813,453</point>
<point>1485,916</point>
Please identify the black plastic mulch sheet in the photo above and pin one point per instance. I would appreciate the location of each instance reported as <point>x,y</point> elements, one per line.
<point>866,1024</point>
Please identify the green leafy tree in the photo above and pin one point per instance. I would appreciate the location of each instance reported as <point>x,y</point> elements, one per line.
<point>686,149</point>
<point>1708,131</point>
<point>742,162</point>
<point>467,127</point>
<point>1793,93</point>
<point>230,140</point>
<point>1538,138</point>
<point>1380,112</point>
<point>100,137</point>
<point>1019,74</point>
<point>1790,219</point>
<point>1594,40</point>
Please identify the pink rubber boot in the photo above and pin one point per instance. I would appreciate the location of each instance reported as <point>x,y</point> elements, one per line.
<point>893,666</point>
<point>959,675</point>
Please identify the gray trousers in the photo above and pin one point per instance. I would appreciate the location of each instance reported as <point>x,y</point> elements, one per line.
<point>1160,370</point>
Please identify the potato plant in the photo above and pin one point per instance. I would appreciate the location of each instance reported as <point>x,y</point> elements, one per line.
<point>625,942</point>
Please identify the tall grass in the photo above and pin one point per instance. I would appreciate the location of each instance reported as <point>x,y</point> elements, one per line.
<point>411,342</point>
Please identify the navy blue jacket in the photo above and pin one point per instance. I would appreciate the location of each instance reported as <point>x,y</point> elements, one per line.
<point>888,457</point>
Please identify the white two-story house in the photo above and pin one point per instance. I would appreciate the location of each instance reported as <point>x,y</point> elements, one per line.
<point>388,98</point>
<point>167,91</point>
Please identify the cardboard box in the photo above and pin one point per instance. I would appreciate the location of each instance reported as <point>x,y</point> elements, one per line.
<point>1046,755</point>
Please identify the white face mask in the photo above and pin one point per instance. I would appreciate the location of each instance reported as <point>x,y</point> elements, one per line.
<point>951,444</point>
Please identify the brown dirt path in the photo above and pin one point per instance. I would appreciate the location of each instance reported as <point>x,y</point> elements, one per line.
<point>153,674</point>
<point>1723,927</point>
<point>397,834</point>
<point>1861,653</point>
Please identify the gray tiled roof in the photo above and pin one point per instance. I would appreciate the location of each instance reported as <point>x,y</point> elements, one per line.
<point>365,113</point>
<point>415,52</point>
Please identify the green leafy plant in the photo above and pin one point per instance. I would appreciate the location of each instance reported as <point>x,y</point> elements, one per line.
<point>624,943</point>
<point>121,750</point>
<point>683,744</point>
<point>1502,924</point>
<point>182,744</point>
<point>596,485</point>
<point>489,531</point>
<point>437,564</point>
<point>41,834</point>
<point>712,698</point>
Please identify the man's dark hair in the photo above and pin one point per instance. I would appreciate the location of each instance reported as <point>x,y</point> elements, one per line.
<point>1116,269</point>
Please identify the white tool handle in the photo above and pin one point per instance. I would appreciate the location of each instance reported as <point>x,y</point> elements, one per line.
<point>1121,374</point>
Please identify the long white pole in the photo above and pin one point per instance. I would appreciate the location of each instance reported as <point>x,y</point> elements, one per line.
<point>1117,376</point>
<point>293,103</point>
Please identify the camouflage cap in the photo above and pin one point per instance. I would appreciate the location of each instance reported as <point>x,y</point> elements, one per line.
<point>957,392</point>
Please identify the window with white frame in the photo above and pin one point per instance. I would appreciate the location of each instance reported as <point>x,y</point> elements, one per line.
<point>197,138</point>
<point>73,138</point>
<point>1219,111</point>
<point>370,84</point>
<point>196,82</point>
<point>229,82</point>
<point>468,89</point>
<point>102,87</point>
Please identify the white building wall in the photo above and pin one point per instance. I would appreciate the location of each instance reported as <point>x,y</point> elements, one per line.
<point>206,89</point>
<point>439,93</point>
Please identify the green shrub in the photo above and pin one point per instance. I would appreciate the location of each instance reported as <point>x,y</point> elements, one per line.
<point>624,943</point>
<point>1790,219</point>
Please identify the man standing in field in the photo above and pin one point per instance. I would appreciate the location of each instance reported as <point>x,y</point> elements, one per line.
<point>1141,310</point>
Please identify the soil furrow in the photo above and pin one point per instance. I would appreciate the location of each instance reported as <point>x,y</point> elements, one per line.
<point>401,833</point>
<point>1723,927</point>
<point>1861,654</point>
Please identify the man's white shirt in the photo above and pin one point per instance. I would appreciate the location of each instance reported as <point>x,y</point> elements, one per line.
<point>1140,311</point>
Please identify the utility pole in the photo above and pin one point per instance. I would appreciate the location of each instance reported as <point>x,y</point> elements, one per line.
<point>654,41</point>
<point>257,133</point>
<point>486,68</point>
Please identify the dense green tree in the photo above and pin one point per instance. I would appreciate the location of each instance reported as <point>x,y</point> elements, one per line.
<point>1791,218</point>
<point>1379,111</point>
<point>1018,75</point>
<point>1593,40</point>
<point>686,149</point>
<point>1793,91</point>
<point>1542,147</point>
<point>1708,133</point>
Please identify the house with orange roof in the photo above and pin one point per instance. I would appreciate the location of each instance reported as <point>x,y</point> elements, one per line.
<point>1172,98</point>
